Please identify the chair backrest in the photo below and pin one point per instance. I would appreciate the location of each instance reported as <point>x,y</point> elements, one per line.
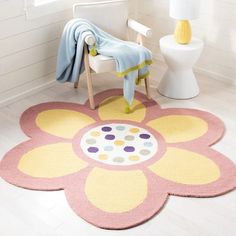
<point>111,16</point>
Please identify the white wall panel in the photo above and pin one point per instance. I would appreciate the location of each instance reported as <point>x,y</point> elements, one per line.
<point>27,74</point>
<point>11,8</point>
<point>28,48</point>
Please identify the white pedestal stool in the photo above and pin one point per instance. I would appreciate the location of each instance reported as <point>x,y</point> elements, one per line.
<point>179,82</point>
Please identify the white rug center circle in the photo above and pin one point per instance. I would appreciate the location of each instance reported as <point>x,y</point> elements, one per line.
<point>119,144</point>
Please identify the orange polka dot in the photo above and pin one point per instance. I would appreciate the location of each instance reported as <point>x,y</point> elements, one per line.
<point>134,158</point>
<point>134,130</point>
<point>103,157</point>
<point>119,143</point>
<point>95,133</point>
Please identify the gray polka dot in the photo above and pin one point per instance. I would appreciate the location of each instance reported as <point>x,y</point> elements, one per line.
<point>91,141</point>
<point>144,152</point>
<point>119,159</point>
<point>129,138</point>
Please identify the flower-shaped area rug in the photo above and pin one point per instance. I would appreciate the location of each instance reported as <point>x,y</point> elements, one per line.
<point>117,169</point>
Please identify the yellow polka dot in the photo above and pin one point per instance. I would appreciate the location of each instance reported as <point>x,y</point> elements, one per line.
<point>119,143</point>
<point>134,130</point>
<point>102,157</point>
<point>95,134</point>
<point>134,158</point>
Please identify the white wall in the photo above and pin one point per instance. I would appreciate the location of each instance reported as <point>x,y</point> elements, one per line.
<point>216,26</point>
<point>28,49</point>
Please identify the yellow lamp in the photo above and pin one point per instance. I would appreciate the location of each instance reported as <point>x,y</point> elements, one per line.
<point>183,11</point>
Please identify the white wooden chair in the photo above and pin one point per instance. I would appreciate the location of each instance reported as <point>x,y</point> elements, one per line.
<point>112,17</point>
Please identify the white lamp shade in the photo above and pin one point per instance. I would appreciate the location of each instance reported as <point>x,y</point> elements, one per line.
<point>184,9</point>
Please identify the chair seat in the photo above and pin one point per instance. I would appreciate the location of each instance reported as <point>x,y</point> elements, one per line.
<point>101,64</point>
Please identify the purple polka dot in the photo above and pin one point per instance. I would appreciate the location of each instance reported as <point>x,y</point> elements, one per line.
<point>93,149</point>
<point>106,129</point>
<point>144,136</point>
<point>110,137</point>
<point>129,149</point>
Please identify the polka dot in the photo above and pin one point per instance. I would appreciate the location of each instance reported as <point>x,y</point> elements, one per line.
<point>134,130</point>
<point>93,149</point>
<point>129,149</point>
<point>108,148</point>
<point>95,134</point>
<point>144,136</point>
<point>129,138</point>
<point>91,141</point>
<point>134,158</point>
<point>144,152</point>
<point>106,129</point>
<point>148,144</point>
<point>110,137</point>
<point>119,143</point>
<point>120,127</point>
<point>118,159</point>
<point>103,157</point>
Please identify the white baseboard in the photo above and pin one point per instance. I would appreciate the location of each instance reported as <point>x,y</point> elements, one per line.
<point>42,83</point>
<point>215,76</point>
<point>27,90</point>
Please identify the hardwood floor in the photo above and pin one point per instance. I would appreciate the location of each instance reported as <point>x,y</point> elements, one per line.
<point>36,213</point>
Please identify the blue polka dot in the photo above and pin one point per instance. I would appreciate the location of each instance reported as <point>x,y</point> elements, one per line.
<point>108,148</point>
<point>120,127</point>
<point>148,144</point>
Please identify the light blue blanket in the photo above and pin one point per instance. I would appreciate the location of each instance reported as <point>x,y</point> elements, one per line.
<point>132,60</point>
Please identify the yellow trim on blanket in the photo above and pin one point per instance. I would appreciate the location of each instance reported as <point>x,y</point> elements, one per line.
<point>138,67</point>
<point>127,107</point>
<point>138,80</point>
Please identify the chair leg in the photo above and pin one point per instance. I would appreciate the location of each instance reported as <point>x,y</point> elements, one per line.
<point>90,88</point>
<point>76,84</point>
<point>89,78</point>
<point>147,87</point>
